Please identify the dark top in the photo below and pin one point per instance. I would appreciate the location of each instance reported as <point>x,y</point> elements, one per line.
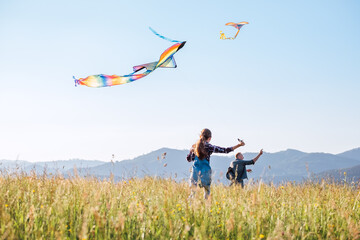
<point>209,149</point>
<point>239,169</point>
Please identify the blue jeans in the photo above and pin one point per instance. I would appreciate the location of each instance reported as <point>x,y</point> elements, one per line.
<point>201,175</point>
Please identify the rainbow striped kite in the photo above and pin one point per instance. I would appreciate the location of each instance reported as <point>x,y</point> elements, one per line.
<point>235,25</point>
<point>166,61</point>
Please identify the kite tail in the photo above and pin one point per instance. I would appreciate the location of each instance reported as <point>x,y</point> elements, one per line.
<point>163,37</point>
<point>76,81</point>
<point>223,37</point>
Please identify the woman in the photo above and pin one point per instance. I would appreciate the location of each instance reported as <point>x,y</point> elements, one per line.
<point>200,155</point>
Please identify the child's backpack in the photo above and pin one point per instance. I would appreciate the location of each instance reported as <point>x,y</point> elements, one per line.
<point>230,173</point>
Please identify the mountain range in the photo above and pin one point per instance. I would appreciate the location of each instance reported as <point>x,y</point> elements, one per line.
<point>288,165</point>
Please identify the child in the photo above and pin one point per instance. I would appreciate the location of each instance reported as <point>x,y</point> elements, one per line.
<point>237,171</point>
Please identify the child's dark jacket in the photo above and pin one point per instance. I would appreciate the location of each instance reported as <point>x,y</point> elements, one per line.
<point>237,169</point>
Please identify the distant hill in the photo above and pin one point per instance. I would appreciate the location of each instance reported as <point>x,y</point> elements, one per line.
<point>340,175</point>
<point>12,163</point>
<point>69,164</point>
<point>60,166</point>
<point>288,165</point>
<point>353,154</point>
<point>293,165</point>
<point>152,164</point>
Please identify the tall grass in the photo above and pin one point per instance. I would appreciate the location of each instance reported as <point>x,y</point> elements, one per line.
<point>33,207</point>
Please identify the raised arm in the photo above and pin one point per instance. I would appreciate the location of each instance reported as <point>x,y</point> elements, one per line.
<point>257,157</point>
<point>217,149</point>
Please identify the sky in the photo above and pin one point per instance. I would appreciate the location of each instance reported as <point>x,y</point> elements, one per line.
<point>291,78</point>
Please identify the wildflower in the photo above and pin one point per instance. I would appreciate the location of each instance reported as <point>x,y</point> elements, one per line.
<point>179,209</point>
<point>262,236</point>
<point>282,187</point>
<point>316,205</point>
<point>217,203</point>
<point>178,205</point>
<point>33,191</point>
<point>6,205</point>
<point>219,208</point>
<point>219,225</point>
<point>41,206</point>
<point>345,174</point>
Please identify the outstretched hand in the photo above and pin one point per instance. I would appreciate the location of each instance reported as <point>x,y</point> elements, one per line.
<point>238,145</point>
<point>261,152</point>
<point>242,143</point>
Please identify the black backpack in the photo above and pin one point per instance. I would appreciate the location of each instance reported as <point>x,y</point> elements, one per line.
<point>230,173</point>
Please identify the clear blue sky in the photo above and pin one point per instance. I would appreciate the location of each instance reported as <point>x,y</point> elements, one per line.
<point>291,79</point>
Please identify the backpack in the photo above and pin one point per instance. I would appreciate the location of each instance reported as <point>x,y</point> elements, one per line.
<point>230,173</point>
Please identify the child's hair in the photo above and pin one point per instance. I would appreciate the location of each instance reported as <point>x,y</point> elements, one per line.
<point>237,155</point>
<point>200,150</point>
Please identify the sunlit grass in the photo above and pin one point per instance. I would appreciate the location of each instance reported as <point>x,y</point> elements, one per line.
<point>34,207</point>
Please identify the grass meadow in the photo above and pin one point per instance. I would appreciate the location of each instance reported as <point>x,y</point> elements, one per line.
<point>35,207</point>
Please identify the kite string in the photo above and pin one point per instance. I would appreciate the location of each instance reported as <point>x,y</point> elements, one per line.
<point>163,37</point>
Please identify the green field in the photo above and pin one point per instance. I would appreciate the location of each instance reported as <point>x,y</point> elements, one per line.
<point>85,208</point>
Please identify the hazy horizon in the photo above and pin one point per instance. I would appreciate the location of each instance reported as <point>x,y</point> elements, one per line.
<point>218,154</point>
